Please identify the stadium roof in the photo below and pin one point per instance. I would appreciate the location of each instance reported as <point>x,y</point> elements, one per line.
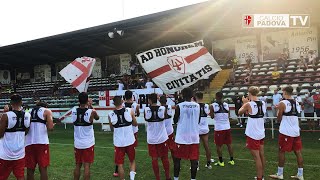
<point>217,19</point>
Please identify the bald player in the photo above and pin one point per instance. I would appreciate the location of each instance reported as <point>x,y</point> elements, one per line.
<point>37,141</point>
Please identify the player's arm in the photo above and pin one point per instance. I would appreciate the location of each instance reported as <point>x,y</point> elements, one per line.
<point>281,108</point>
<point>110,124</point>
<point>49,119</point>
<point>211,111</point>
<point>138,110</point>
<point>95,115</point>
<point>134,120</point>
<point>244,109</point>
<point>176,115</point>
<point>3,124</point>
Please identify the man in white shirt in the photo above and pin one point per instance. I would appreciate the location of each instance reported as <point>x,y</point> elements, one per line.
<point>264,98</point>
<point>120,85</point>
<point>37,141</point>
<point>149,84</point>
<point>187,139</point>
<point>84,140</point>
<point>219,110</point>
<point>289,137</point>
<point>312,58</point>
<point>276,98</point>
<point>14,125</point>
<point>157,135</point>
<point>255,131</point>
<point>121,121</point>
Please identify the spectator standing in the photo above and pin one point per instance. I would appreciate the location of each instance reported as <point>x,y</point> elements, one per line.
<point>237,100</point>
<point>120,85</point>
<point>303,62</point>
<point>276,98</point>
<point>282,61</point>
<point>149,84</point>
<point>133,67</point>
<point>247,79</point>
<point>235,63</point>
<point>276,75</point>
<point>316,98</point>
<point>312,58</point>
<point>309,110</point>
<point>249,63</point>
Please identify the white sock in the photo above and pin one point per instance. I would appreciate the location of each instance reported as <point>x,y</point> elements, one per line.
<point>176,178</point>
<point>132,175</point>
<point>193,179</point>
<point>280,171</point>
<point>300,171</point>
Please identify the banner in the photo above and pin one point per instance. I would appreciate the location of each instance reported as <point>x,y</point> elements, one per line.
<point>96,71</point>
<point>176,67</point>
<point>5,77</point>
<point>246,47</point>
<point>140,96</point>
<point>59,67</point>
<point>273,44</point>
<point>125,63</point>
<point>42,73</point>
<point>301,41</point>
<point>77,73</point>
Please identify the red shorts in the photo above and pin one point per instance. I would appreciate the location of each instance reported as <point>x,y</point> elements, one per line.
<point>37,154</point>
<point>170,142</point>
<point>120,152</point>
<point>84,155</point>
<point>254,144</point>
<point>222,137</point>
<point>15,166</point>
<point>288,144</point>
<point>158,150</point>
<point>136,137</point>
<point>187,151</point>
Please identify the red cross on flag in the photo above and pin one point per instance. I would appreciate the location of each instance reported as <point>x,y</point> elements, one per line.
<point>77,73</point>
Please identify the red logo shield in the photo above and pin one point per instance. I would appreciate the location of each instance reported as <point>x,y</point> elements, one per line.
<point>247,20</point>
<point>177,63</point>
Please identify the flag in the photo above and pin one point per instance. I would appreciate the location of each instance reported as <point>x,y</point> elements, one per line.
<point>77,73</point>
<point>176,67</point>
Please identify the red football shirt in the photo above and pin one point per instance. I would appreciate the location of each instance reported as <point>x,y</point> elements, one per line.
<point>316,99</point>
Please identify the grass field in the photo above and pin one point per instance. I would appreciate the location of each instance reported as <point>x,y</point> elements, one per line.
<point>62,158</point>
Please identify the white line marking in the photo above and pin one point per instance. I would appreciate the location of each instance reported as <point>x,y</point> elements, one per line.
<point>144,150</point>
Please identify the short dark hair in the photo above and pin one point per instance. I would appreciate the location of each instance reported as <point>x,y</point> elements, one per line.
<point>198,95</point>
<point>83,98</point>
<point>128,95</point>
<point>163,99</point>
<point>153,98</point>
<point>288,90</point>
<point>41,104</point>
<point>187,93</point>
<point>219,95</point>
<point>117,101</point>
<point>15,99</point>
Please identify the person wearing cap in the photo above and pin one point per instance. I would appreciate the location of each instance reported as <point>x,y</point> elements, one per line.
<point>14,125</point>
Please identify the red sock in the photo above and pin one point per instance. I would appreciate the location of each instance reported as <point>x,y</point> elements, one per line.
<point>259,178</point>
<point>166,166</point>
<point>155,168</point>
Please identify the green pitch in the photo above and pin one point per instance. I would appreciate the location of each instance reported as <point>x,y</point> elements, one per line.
<point>62,158</point>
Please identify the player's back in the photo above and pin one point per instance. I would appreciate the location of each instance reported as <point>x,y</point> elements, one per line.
<point>188,129</point>
<point>83,128</point>
<point>221,116</point>
<point>38,133</point>
<point>255,125</point>
<point>156,130</point>
<point>290,124</point>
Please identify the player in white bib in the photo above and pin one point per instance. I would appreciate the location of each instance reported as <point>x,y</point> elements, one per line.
<point>14,125</point>
<point>129,103</point>
<point>219,110</point>
<point>121,121</point>
<point>84,140</point>
<point>204,127</point>
<point>255,131</point>
<point>289,136</point>
<point>157,136</point>
<point>186,117</point>
<point>168,124</point>
<point>37,141</point>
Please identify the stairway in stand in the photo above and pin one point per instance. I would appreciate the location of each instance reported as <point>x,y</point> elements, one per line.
<point>216,85</point>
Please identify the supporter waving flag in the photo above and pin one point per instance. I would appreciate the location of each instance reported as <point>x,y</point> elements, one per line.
<point>77,73</point>
<point>176,67</point>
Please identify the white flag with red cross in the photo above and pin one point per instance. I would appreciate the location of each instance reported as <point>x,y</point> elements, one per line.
<point>77,73</point>
<point>176,67</point>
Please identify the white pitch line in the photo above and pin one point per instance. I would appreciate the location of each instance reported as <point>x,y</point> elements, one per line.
<point>144,150</point>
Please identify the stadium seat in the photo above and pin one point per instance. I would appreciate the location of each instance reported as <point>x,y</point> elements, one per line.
<point>299,70</point>
<point>263,69</point>
<point>316,84</point>
<point>283,85</point>
<point>265,65</point>
<point>273,87</point>
<point>231,94</point>
<point>303,91</point>
<point>261,73</point>
<point>244,88</point>
<point>305,85</point>
<point>235,89</point>
<point>289,71</point>
<point>310,70</point>
<point>269,72</point>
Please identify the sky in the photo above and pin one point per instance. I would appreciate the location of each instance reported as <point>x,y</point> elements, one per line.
<point>25,20</point>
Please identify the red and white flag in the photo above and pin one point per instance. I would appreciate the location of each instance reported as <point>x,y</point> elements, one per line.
<point>176,67</point>
<point>77,73</point>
